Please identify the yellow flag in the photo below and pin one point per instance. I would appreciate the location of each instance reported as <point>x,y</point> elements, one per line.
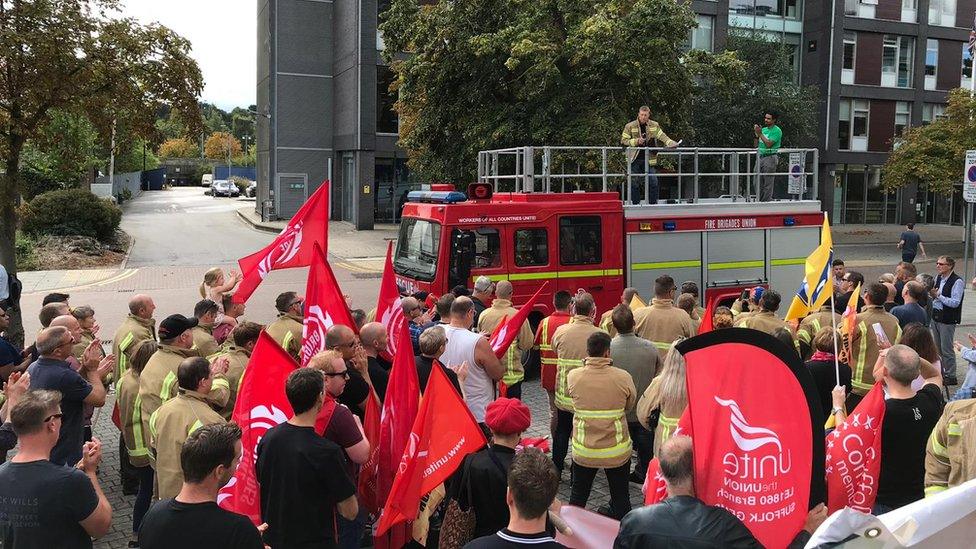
<point>818,284</point>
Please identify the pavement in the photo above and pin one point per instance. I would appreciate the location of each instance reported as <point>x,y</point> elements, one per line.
<point>180,233</point>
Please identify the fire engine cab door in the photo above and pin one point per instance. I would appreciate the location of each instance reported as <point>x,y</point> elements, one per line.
<point>590,257</point>
<point>735,258</point>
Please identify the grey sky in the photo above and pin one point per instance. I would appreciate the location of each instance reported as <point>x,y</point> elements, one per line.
<point>224,38</point>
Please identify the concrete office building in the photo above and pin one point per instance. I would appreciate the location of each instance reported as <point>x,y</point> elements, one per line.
<point>880,65</point>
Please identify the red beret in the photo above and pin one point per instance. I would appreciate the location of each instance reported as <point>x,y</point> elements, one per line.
<point>508,416</point>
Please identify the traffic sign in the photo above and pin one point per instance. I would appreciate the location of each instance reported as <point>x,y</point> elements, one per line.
<point>797,181</point>
<point>969,178</point>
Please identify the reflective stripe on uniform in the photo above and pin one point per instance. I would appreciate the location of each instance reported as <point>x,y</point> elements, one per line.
<point>139,443</point>
<point>932,490</point>
<point>220,383</point>
<point>807,335</point>
<point>196,425</point>
<point>287,340</point>
<point>937,447</point>
<point>563,367</point>
<point>512,376</point>
<point>123,345</point>
<point>668,424</point>
<point>662,345</point>
<point>169,382</point>
<point>954,430</point>
<point>579,440</point>
<point>858,379</point>
<point>545,347</point>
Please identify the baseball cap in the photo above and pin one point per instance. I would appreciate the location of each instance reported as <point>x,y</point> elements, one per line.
<point>482,284</point>
<point>174,325</point>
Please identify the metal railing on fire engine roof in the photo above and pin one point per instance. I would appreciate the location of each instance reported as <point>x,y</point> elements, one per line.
<point>684,175</point>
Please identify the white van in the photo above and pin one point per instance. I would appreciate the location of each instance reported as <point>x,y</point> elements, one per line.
<point>206,180</point>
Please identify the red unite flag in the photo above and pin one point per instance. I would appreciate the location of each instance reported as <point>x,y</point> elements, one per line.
<point>367,474</point>
<point>261,404</point>
<point>399,413</point>
<point>655,489</point>
<point>388,310</point>
<point>753,433</point>
<point>325,307</point>
<point>292,248</point>
<point>854,456</point>
<point>506,332</point>
<point>706,319</point>
<point>434,451</point>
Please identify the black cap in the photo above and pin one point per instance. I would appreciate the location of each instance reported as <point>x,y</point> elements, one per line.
<point>174,325</point>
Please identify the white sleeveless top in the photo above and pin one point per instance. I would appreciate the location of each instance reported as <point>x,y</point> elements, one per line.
<point>479,389</point>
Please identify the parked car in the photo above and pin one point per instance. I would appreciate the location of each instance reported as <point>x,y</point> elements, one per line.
<point>252,190</point>
<point>206,180</point>
<point>223,187</point>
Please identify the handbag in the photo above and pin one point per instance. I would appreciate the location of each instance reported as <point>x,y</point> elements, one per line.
<point>457,528</point>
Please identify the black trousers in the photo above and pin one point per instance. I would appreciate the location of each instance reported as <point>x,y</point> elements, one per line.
<point>560,443</point>
<point>617,479</point>
<point>514,391</point>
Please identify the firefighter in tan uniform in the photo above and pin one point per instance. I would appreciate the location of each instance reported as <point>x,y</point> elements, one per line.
<point>602,395</point>
<point>238,353</point>
<point>204,343</point>
<point>606,321</point>
<point>158,381</point>
<point>136,328</point>
<point>489,319</point>
<point>863,346</point>
<point>765,320</point>
<point>661,322</point>
<point>569,342</point>
<point>950,455</point>
<point>287,329</point>
<point>810,325</point>
<point>172,423</point>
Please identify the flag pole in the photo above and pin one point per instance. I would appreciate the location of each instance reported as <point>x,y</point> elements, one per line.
<point>833,321</point>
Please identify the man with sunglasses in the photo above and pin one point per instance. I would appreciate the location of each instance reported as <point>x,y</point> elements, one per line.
<point>51,371</point>
<point>343,340</point>
<point>287,330</point>
<point>947,296</point>
<point>46,504</point>
<point>848,282</point>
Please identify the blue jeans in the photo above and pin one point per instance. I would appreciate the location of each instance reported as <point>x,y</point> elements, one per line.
<point>351,531</point>
<point>644,444</point>
<point>146,476</point>
<point>637,178</point>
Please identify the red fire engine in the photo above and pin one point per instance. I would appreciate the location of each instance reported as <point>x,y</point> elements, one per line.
<point>590,242</point>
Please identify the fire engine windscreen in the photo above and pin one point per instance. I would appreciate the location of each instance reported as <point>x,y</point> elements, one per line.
<point>417,249</point>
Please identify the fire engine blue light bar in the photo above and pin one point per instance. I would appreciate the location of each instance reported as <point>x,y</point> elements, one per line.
<point>670,225</point>
<point>789,221</point>
<point>437,197</point>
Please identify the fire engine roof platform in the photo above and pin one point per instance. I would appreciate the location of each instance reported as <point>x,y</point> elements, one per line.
<point>719,208</point>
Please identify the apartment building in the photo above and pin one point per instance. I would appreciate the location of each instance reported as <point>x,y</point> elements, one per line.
<point>881,65</point>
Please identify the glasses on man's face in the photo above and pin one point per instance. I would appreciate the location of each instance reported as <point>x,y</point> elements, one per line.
<point>941,263</point>
<point>344,374</point>
<point>58,415</point>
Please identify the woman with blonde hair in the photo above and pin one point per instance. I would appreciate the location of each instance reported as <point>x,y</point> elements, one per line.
<point>214,287</point>
<point>135,439</point>
<point>665,398</point>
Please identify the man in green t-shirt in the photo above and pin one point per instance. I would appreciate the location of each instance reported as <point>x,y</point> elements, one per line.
<point>768,140</point>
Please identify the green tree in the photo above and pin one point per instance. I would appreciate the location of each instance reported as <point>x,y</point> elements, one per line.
<point>497,73</point>
<point>133,155</point>
<point>63,150</point>
<point>75,56</point>
<point>934,155</point>
<point>737,87</point>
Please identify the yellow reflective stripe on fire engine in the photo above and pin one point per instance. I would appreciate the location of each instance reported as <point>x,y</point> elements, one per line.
<point>665,265</point>
<point>553,274</point>
<point>736,265</point>
<point>790,261</point>
<point>932,490</point>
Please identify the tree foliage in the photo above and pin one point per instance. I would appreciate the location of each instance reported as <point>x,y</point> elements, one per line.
<point>178,148</point>
<point>80,57</point>
<point>500,73</point>
<point>736,87</point>
<point>934,155</point>
<point>63,151</point>
<point>219,143</point>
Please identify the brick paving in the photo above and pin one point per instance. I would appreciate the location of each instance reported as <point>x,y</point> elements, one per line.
<point>118,537</point>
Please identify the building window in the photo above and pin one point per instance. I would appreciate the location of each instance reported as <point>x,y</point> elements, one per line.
<point>942,13</point>
<point>850,50</point>
<point>579,240</point>
<point>931,62</point>
<point>903,117</point>
<point>967,68</point>
<point>852,128</point>
<point>909,11</point>
<point>931,112</point>
<point>387,120</point>
<point>531,247</point>
<point>790,9</point>
<point>896,61</point>
<point>701,37</point>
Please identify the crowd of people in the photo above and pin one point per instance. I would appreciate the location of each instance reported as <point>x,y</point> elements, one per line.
<point>614,381</point>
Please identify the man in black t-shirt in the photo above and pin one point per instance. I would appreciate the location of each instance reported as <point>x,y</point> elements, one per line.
<point>193,520</point>
<point>909,419</point>
<point>44,504</point>
<point>302,475</point>
<point>910,243</point>
<point>375,340</point>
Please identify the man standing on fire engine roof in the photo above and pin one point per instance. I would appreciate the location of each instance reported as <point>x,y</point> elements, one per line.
<point>636,135</point>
